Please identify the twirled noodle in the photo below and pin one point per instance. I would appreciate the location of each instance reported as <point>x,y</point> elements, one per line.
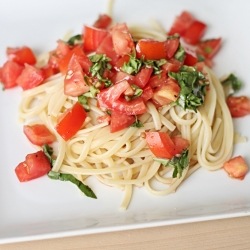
<point>122,159</point>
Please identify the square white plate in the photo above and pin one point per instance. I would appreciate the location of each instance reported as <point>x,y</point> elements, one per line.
<point>44,208</point>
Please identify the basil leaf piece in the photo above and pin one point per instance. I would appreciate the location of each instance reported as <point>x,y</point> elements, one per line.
<point>179,163</point>
<point>48,151</point>
<point>75,40</point>
<point>133,66</point>
<point>99,66</point>
<point>69,177</point>
<point>193,87</point>
<point>232,81</point>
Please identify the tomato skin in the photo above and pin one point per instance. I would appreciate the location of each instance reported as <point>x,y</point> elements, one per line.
<point>111,99</point>
<point>150,49</point>
<point>103,21</point>
<point>71,121</point>
<point>180,144</point>
<point>239,106</point>
<point>190,59</point>
<point>122,39</point>
<point>93,37</point>
<point>160,144</point>
<point>120,121</point>
<point>181,23</point>
<point>147,93</point>
<point>236,167</point>
<point>10,71</point>
<point>81,57</point>
<point>74,83</point>
<point>34,166</point>
<point>38,134</point>
<point>30,77</point>
<point>208,48</point>
<point>142,77</point>
<point>166,93</point>
<point>107,97</point>
<point>195,32</point>
<point>21,55</point>
<point>106,47</point>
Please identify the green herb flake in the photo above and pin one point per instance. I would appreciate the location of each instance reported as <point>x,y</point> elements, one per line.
<point>69,177</point>
<point>232,81</point>
<point>179,163</point>
<point>48,151</point>
<point>77,39</point>
<point>133,66</point>
<point>99,66</point>
<point>193,85</point>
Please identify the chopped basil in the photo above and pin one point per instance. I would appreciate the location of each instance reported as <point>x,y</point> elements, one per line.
<point>155,64</point>
<point>83,99</point>
<point>75,40</point>
<point>192,83</point>
<point>133,66</point>
<point>179,163</point>
<point>232,81</point>
<point>100,65</point>
<point>180,54</point>
<point>137,124</point>
<point>48,151</point>
<point>69,177</point>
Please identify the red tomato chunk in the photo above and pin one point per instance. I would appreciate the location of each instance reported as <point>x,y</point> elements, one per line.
<point>38,134</point>
<point>236,167</point>
<point>71,121</point>
<point>34,166</point>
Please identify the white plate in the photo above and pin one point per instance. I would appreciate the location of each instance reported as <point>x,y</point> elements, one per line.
<point>46,209</point>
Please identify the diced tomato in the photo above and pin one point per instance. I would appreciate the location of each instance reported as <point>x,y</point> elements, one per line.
<point>10,71</point>
<point>147,93</point>
<point>208,48</point>
<point>157,80</point>
<point>30,77</point>
<point>142,78</point>
<point>166,93</point>
<point>133,107</point>
<point>121,61</point>
<point>150,49</point>
<point>120,76</point>
<point>120,121</point>
<point>74,82</point>
<point>181,23</point>
<point>62,48</point>
<point>21,55</point>
<point>111,99</point>
<point>239,106</point>
<point>81,58</point>
<point>108,96</point>
<point>34,166</point>
<point>172,65</point>
<point>104,118</point>
<point>71,121</point>
<point>155,50</point>
<point>122,39</point>
<point>103,21</point>
<point>171,46</point>
<point>48,71</point>
<point>180,144</point>
<point>106,47</point>
<point>93,37</point>
<point>190,59</point>
<point>38,134</point>
<point>194,32</point>
<point>160,144</point>
<point>236,167</point>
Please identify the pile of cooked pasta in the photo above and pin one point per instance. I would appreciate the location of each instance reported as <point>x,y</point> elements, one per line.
<point>122,159</point>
